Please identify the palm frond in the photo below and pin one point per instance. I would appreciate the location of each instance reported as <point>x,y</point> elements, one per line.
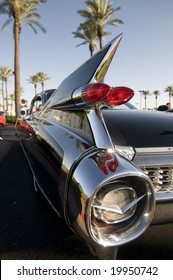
<point>100,12</point>
<point>7,22</point>
<point>115,22</point>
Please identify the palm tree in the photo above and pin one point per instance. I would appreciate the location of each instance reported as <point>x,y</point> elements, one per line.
<point>169,89</point>
<point>156,93</point>
<point>6,72</point>
<point>19,12</point>
<point>145,93</point>
<point>100,11</point>
<point>42,77</point>
<point>87,31</point>
<point>34,80</point>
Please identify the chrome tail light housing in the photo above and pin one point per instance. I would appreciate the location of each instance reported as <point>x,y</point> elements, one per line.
<point>121,211</point>
<point>117,200</point>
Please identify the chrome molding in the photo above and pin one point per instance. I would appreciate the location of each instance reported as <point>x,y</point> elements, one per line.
<point>101,136</point>
<point>160,172</point>
<point>104,65</point>
<point>162,180</point>
<point>154,151</point>
<point>164,196</point>
<point>122,210</point>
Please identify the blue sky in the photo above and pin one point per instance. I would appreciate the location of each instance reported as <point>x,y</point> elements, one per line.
<point>144,60</point>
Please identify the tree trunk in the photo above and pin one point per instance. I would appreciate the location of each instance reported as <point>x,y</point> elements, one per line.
<point>35,88</point>
<point>3,100</point>
<point>145,102</point>
<point>6,91</point>
<point>100,33</point>
<point>100,41</point>
<point>156,102</point>
<point>17,66</point>
<point>42,84</point>
<point>170,97</point>
<point>91,48</point>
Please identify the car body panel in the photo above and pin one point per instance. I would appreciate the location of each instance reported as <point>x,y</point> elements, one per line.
<point>154,153</point>
<point>130,127</point>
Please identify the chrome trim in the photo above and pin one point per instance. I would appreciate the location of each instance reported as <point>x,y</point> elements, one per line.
<point>122,210</point>
<point>154,151</point>
<point>69,175</point>
<point>104,65</point>
<point>126,151</point>
<point>100,133</point>
<point>125,171</point>
<point>162,180</point>
<point>164,196</point>
<point>157,164</point>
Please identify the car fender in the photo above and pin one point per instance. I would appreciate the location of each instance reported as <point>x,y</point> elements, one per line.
<point>98,171</point>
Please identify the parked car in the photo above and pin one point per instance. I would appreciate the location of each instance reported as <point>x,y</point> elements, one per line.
<point>2,118</point>
<point>107,172</point>
<point>37,102</point>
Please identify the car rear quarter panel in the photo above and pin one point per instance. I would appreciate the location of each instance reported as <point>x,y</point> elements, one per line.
<point>52,150</point>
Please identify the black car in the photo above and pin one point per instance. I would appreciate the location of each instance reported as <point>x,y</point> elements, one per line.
<point>107,172</point>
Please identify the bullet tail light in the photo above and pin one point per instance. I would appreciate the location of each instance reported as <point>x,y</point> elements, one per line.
<point>102,94</point>
<point>119,95</point>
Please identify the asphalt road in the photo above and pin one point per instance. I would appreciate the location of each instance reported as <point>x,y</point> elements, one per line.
<point>31,230</point>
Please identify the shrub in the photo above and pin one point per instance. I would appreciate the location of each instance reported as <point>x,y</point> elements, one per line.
<point>11,119</point>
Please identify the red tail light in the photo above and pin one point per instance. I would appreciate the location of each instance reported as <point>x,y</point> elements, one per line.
<point>119,95</point>
<point>95,93</point>
<point>99,92</point>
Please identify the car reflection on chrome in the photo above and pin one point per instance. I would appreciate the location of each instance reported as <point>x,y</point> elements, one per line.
<point>108,172</point>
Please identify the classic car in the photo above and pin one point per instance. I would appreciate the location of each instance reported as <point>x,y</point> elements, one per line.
<point>2,118</point>
<point>107,172</point>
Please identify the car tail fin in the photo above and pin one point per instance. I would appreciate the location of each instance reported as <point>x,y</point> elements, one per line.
<point>92,71</point>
